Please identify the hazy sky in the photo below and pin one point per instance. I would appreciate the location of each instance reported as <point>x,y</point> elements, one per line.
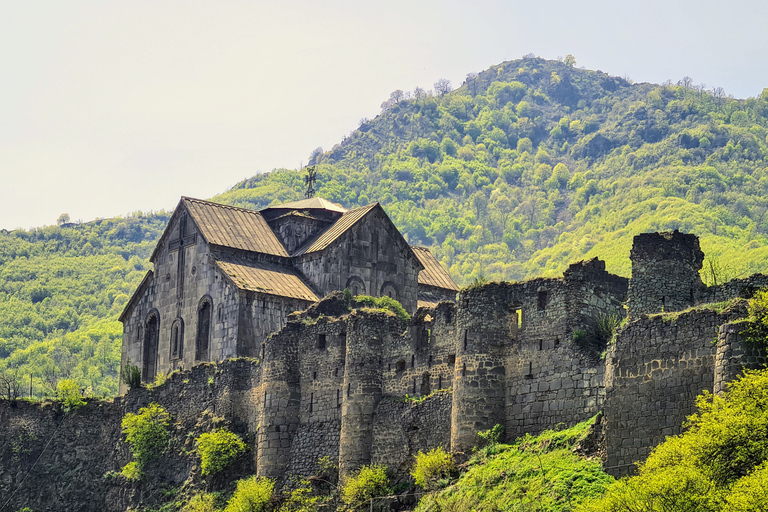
<point>111,107</point>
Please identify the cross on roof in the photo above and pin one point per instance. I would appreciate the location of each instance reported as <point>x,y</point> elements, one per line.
<point>310,179</point>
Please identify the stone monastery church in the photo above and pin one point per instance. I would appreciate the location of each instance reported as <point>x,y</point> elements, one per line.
<point>224,278</point>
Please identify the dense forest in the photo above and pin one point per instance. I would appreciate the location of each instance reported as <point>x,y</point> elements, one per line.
<point>529,165</point>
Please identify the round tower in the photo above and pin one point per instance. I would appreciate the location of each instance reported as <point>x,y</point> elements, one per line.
<point>362,388</point>
<point>483,326</point>
<point>281,404</point>
<point>665,273</point>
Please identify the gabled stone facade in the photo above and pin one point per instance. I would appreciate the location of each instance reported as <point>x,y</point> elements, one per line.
<point>224,278</point>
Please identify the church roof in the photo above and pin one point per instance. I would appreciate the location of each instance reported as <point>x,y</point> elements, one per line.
<point>315,203</point>
<point>265,278</point>
<point>433,274</point>
<point>327,237</point>
<point>234,227</point>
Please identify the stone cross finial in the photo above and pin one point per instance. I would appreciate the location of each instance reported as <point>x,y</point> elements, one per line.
<point>310,179</point>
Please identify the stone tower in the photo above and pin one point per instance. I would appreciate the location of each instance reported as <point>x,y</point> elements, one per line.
<point>665,273</point>
<point>483,330</point>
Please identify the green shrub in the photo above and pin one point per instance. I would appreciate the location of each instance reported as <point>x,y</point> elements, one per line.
<point>146,432</point>
<point>369,482</point>
<point>252,495</point>
<point>68,392</point>
<point>205,502</point>
<point>431,467</point>
<point>716,464</point>
<point>132,471</point>
<point>218,449</point>
<point>386,303</point>
<point>301,499</point>
<point>756,330</point>
<point>491,436</point>
<point>131,375</point>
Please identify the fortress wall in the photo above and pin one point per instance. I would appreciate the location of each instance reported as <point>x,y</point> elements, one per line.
<point>735,289</point>
<point>556,385</point>
<point>422,359</point>
<point>654,372</point>
<point>400,430</point>
<point>69,474</point>
<point>84,444</point>
<point>363,384</point>
<point>665,273</point>
<point>735,354</point>
<point>322,353</point>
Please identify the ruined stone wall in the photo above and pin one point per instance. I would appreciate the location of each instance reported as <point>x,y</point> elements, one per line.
<point>734,289</point>
<point>401,429</point>
<point>665,273</point>
<point>735,354</point>
<point>77,449</point>
<point>422,358</point>
<point>656,368</point>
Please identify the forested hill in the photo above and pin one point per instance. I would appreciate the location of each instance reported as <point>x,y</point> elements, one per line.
<point>526,167</point>
<point>532,164</point>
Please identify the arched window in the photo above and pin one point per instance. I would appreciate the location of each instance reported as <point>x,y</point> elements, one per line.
<point>203,329</point>
<point>151,339</point>
<point>177,339</point>
<point>389,289</point>
<point>355,285</point>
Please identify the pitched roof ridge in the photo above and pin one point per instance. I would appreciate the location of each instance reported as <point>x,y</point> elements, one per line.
<point>304,249</point>
<point>220,205</point>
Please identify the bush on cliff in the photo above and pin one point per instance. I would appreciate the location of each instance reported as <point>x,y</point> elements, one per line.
<point>433,469</point>
<point>720,463</point>
<point>146,433</point>
<point>385,303</point>
<point>756,329</point>
<point>69,394</point>
<point>369,482</point>
<point>218,449</point>
<point>253,494</point>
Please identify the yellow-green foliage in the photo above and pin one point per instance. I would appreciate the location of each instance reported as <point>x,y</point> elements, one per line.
<point>538,473</point>
<point>218,449</point>
<point>205,502</point>
<point>756,330</point>
<point>387,303</point>
<point>717,464</point>
<point>301,499</point>
<point>68,392</point>
<point>132,471</point>
<point>147,432</point>
<point>369,482</point>
<point>252,495</point>
<point>431,467</point>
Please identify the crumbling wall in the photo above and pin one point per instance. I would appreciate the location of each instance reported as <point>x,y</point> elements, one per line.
<point>656,368</point>
<point>665,273</point>
<point>401,429</point>
<point>736,354</point>
<point>52,460</point>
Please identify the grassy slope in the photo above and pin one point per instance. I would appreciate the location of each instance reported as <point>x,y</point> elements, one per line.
<point>537,473</point>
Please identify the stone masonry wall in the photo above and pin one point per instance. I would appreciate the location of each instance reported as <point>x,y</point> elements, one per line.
<point>735,354</point>
<point>76,449</point>
<point>665,273</point>
<point>656,368</point>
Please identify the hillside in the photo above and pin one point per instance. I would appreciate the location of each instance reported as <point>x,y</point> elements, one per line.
<point>528,166</point>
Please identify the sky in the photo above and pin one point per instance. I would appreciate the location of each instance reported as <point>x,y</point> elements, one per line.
<point>108,108</point>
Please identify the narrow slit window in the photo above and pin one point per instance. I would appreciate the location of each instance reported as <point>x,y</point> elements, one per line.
<point>321,341</point>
